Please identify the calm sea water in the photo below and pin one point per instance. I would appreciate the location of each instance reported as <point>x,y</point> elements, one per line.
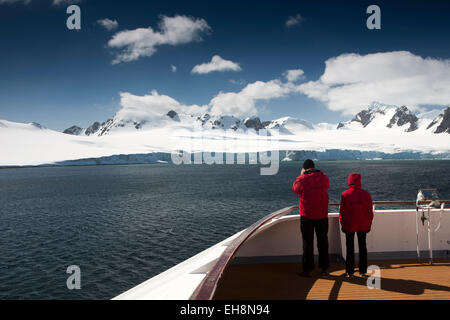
<point>125,224</point>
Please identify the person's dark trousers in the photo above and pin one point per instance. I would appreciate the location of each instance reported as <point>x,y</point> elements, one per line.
<point>307,227</point>
<point>350,244</point>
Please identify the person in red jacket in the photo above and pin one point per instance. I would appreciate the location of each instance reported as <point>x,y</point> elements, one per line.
<point>356,215</point>
<point>312,186</point>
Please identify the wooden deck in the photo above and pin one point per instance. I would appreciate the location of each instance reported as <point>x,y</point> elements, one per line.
<point>400,279</point>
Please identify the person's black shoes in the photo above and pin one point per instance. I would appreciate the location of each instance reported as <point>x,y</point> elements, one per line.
<point>348,275</point>
<point>324,273</point>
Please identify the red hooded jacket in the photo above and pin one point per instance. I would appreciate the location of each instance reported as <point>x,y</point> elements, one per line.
<point>312,186</point>
<point>356,212</point>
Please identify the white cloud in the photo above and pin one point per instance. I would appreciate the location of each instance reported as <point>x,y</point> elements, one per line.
<point>143,42</point>
<point>58,2</point>
<point>173,68</point>
<point>108,24</point>
<point>14,1</point>
<point>217,63</point>
<point>151,106</point>
<point>54,2</point>
<point>239,104</point>
<point>145,107</point>
<point>293,75</point>
<point>243,103</point>
<point>352,81</point>
<point>239,82</point>
<point>292,21</point>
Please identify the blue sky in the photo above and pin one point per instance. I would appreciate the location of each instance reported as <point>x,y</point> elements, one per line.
<point>59,77</point>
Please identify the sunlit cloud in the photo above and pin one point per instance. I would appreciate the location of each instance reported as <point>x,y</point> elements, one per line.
<point>292,21</point>
<point>217,63</point>
<point>14,1</point>
<point>293,74</point>
<point>108,24</point>
<point>352,81</point>
<point>143,42</point>
<point>60,2</point>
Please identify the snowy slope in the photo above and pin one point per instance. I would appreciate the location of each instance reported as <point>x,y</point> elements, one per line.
<point>441,124</point>
<point>289,125</point>
<point>378,117</point>
<point>380,128</point>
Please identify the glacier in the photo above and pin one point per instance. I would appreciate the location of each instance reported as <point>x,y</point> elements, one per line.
<point>377,132</point>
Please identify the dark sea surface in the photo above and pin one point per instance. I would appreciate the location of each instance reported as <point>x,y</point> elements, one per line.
<point>125,224</point>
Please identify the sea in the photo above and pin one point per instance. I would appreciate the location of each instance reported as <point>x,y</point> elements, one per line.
<point>123,224</point>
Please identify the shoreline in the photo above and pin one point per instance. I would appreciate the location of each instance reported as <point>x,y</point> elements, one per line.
<point>137,159</point>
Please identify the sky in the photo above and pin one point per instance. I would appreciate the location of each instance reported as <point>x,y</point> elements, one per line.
<point>314,60</point>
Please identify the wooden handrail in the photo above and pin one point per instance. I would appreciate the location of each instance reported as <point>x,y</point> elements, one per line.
<point>207,287</point>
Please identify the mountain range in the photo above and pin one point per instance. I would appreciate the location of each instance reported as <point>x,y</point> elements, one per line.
<point>377,116</point>
<point>138,135</point>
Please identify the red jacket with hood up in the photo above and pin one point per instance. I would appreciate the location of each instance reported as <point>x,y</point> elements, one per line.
<point>356,212</point>
<point>312,186</point>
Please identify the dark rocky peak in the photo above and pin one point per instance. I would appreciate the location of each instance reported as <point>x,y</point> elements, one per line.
<point>37,125</point>
<point>444,126</point>
<point>205,117</point>
<point>172,114</point>
<point>76,130</point>
<point>402,117</point>
<point>73,130</point>
<point>92,129</point>
<point>139,124</point>
<point>105,127</point>
<point>253,123</point>
<point>366,116</point>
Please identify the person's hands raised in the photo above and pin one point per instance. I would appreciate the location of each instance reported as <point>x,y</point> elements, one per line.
<point>303,171</point>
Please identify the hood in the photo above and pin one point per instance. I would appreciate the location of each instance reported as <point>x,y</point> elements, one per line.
<point>354,180</point>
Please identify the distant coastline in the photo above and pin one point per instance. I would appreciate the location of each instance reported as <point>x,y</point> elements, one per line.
<point>285,156</point>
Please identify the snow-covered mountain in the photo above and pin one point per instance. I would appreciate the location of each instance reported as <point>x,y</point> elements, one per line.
<point>381,117</point>
<point>376,117</point>
<point>119,124</point>
<point>379,131</point>
<point>441,123</point>
<point>75,130</point>
<point>289,125</point>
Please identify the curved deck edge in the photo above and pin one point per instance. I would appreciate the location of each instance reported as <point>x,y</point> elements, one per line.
<point>207,288</point>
